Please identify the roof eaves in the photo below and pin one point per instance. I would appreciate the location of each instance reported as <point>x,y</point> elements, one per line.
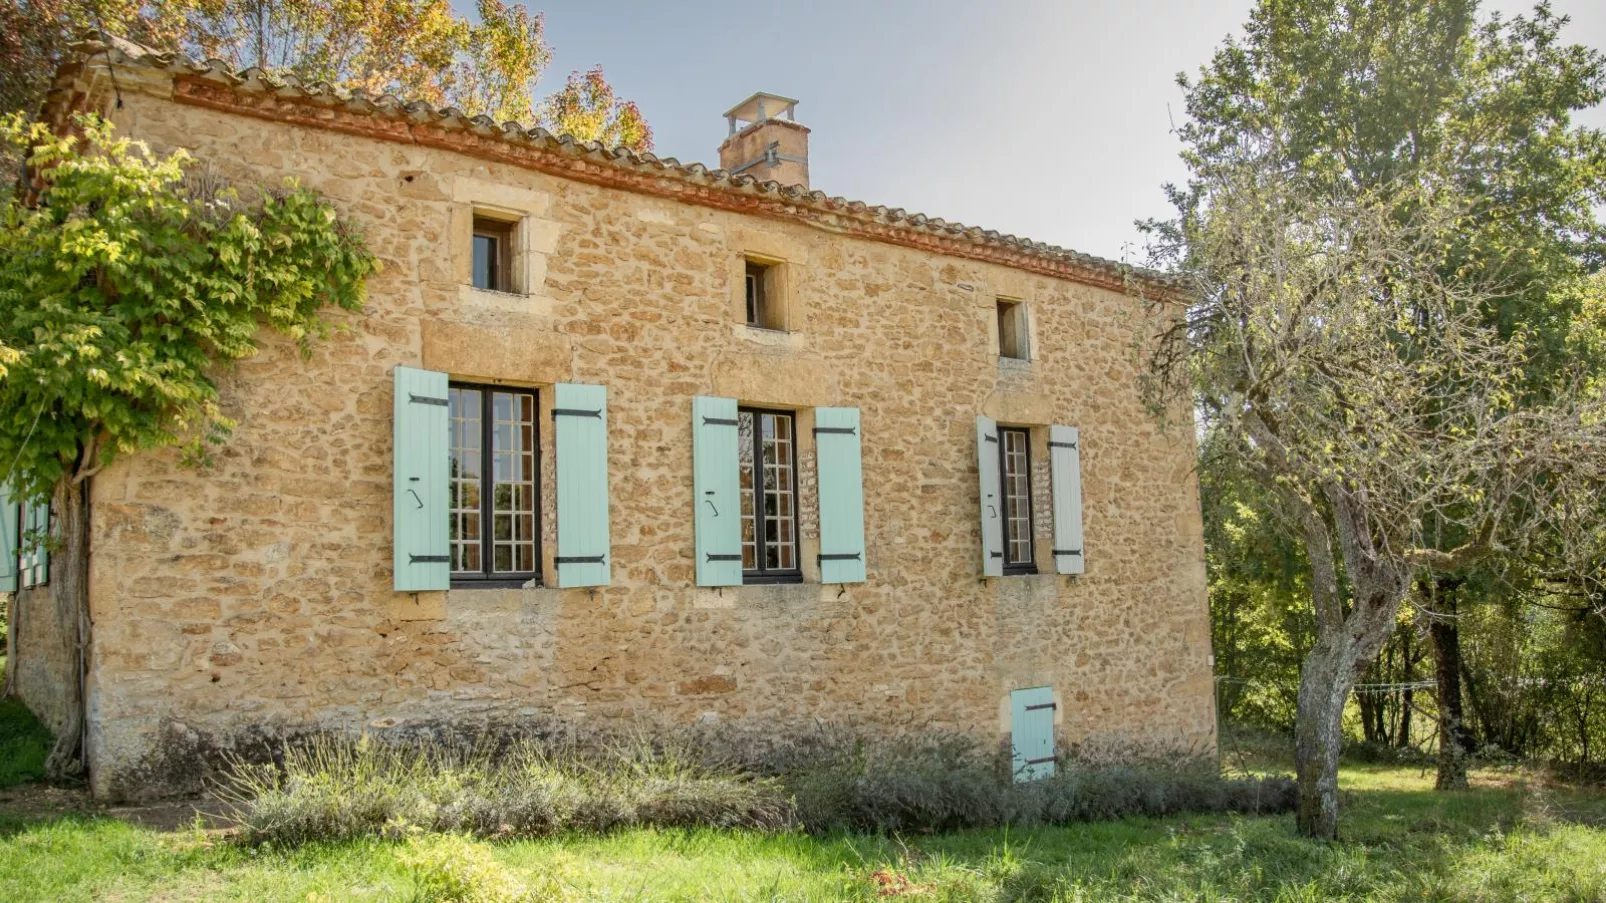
<point>120,51</point>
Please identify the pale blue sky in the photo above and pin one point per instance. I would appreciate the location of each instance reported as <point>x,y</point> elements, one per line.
<point>1050,120</point>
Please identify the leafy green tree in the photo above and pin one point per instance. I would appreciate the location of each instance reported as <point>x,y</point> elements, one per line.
<point>1366,392</point>
<point>125,284</point>
<point>489,64</point>
<point>586,108</point>
<point>1363,95</point>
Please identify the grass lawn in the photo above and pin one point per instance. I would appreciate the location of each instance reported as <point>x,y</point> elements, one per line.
<point>1509,839</point>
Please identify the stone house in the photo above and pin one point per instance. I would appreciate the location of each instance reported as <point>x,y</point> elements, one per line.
<point>620,439</point>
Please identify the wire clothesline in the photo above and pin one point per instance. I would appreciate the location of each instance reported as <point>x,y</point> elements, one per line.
<point>1366,687</point>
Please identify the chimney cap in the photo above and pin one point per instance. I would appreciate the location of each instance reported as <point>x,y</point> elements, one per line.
<point>761,106</point>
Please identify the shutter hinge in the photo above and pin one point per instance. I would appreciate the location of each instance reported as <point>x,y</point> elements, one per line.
<point>835,429</point>
<point>427,559</point>
<point>1062,445</point>
<point>579,559</point>
<point>718,421</point>
<point>1038,761</point>
<point>990,438</point>
<point>574,412</point>
<point>425,399</point>
<point>1042,705</point>
<point>713,557</point>
<point>840,557</point>
<point>996,554</point>
<point>1077,552</point>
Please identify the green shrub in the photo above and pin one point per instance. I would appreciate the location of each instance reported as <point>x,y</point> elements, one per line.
<point>901,784</point>
<point>915,785</point>
<point>454,869</point>
<point>24,744</point>
<point>333,788</point>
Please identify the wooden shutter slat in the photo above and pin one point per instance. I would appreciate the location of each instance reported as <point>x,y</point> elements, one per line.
<point>717,486</point>
<point>33,566</point>
<point>992,497</point>
<point>10,524</point>
<point>1065,458</point>
<point>839,467</point>
<point>1031,729</point>
<point>421,474</point>
<point>580,424</point>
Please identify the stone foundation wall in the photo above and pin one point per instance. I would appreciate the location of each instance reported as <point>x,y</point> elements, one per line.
<point>254,598</point>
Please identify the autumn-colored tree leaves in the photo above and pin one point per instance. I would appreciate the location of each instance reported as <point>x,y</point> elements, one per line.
<point>489,64</point>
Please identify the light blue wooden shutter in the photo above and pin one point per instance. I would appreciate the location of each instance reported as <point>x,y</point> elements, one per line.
<point>34,567</point>
<point>992,498</point>
<point>1065,456</point>
<point>841,483</point>
<point>580,420</point>
<point>421,474</point>
<point>1031,727</point>
<point>10,523</point>
<point>717,484</point>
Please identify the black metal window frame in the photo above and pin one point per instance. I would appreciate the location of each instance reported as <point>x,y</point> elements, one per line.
<point>487,577</point>
<point>761,574</point>
<point>1028,566</point>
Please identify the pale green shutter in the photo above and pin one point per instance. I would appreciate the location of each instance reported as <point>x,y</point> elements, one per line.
<point>1031,729</point>
<point>580,419</point>
<point>10,523</point>
<point>992,498</point>
<point>35,542</point>
<point>841,483</point>
<point>421,475</point>
<point>717,484</point>
<point>1065,455</point>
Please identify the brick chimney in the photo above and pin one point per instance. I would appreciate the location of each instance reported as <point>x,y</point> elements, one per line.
<point>763,145</point>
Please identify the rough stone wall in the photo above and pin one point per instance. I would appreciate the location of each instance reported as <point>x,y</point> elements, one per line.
<point>41,661</point>
<point>254,597</point>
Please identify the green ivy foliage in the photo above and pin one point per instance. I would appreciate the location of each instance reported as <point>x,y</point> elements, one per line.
<point>127,278</point>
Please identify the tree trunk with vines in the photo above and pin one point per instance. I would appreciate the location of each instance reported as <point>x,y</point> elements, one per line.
<point>69,592</point>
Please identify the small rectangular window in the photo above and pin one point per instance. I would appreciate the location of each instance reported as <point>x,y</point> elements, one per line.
<point>758,313</point>
<point>767,455</point>
<point>1012,330</point>
<point>494,483</point>
<point>1015,460</point>
<point>493,254</point>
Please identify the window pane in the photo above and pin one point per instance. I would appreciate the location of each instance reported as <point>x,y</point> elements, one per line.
<point>513,480</point>
<point>744,456</point>
<point>485,262</point>
<point>771,478</point>
<point>463,414</point>
<point>1017,497</point>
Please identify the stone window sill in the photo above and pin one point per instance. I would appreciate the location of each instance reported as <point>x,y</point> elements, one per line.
<point>769,338</point>
<point>521,302</point>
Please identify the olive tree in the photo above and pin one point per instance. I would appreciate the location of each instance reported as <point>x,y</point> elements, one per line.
<point>1327,350</point>
<point>126,281</point>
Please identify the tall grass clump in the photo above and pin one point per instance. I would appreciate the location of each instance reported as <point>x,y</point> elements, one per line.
<point>948,783</point>
<point>334,788</point>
